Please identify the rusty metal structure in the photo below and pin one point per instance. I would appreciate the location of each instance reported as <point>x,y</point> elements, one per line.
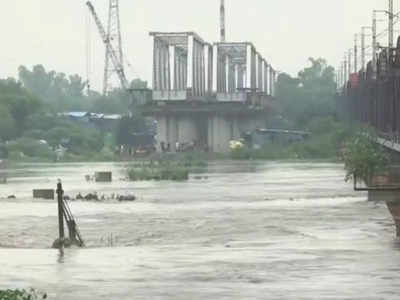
<point>373,98</point>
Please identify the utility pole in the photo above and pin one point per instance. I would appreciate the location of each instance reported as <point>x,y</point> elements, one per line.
<point>345,70</point>
<point>355,54</point>
<point>363,35</point>
<point>222,22</point>
<point>374,46</point>
<point>60,201</point>
<point>349,58</point>
<point>114,38</point>
<point>391,24</point>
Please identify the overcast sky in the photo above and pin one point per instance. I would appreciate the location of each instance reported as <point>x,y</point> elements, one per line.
<point>285,32</point>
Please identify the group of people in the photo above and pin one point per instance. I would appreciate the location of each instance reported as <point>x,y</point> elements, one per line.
<point>132,151</point>
<point>179,147</point>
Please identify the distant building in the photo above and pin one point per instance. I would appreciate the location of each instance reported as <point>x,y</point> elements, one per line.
<point>103,122</point>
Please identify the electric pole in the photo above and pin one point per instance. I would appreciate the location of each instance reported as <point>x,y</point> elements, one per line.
<point>349,58</point>
<point>115,40</point>
<point>355,54</point>
<point>363,47</point>
<point>391,24</point>
<point>374,46</point>
<point>222,21</point>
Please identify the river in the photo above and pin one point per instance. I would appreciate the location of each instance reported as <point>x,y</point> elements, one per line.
<point>243,230</point>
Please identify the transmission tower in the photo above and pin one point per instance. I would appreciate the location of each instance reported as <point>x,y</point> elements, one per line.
<point>115,40</point>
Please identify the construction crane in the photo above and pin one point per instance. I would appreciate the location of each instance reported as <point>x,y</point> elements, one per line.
<point>111,53</point>
<point>222,21</point>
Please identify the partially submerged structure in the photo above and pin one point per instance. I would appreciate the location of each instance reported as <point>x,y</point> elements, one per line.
<point>207,94</point>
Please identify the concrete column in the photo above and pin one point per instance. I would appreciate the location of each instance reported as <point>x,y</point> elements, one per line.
<point>248,66</point>
<point>172,67</point>
<point>260,76</point>
<point>273,74</point>
<point>179,75</point>
<point>270,80</point>
<point>210,133</point>
<point>253,70</point>
<point>162,67</point>
<point>206,68</point>
<point>187,130</point>
<point>189,83</point>
<point>195,69</point>
<point>227,73</point>
<point>257,65</point>
<point>215,69</point>
<point>155,73</point>
<point>168,67</point>
<point>266,77</point>
<point>222,134</point>
<point>210,69</point>
<point>172,131</point>
<point>182,84</point>
<point>161,131</point>
<point>263,76</point>
<point>236,77</point>
<point>184,72</point>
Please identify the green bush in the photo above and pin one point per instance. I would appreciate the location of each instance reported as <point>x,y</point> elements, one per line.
<point>31,148</point>
<point>159,171</point>
<point>22,295</point>
<point>364,157</point>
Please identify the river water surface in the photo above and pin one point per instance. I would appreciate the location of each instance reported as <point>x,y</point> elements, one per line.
<point>244,230</point>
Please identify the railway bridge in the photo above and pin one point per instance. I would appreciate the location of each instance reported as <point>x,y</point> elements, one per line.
<point>372,97</point>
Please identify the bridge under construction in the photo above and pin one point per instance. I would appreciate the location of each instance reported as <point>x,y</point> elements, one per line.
<point>208,94</point>
<point>204,94</point>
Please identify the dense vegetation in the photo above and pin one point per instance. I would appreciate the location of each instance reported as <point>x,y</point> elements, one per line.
<point>21,295</point>
<point>30,124</point>
<point>306,102</point>
<point>364,157</point>
<point>29,110</point>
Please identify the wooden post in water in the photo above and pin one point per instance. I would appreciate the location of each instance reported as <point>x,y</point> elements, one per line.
<point>60,200</point>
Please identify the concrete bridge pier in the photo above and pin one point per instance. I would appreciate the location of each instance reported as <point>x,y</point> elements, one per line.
<point>208,130</point>
<point>386,187</point>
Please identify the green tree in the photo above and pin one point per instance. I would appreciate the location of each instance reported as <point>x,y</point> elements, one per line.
<point>129,125</point>
<point>310,95</point>
<point>62,92</point>
<point>8,128</point>
<point>19,102</point>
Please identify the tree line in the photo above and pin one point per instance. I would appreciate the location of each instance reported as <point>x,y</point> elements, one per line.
<point>29,108</point>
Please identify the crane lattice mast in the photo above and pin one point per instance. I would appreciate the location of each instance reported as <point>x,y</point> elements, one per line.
<point>112,41</point>
<point>222,21</point>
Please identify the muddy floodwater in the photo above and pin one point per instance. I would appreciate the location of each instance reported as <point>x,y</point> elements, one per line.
<point>239,230</point>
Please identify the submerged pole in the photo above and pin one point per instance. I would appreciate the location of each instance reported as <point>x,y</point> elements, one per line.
<point>60,201</point>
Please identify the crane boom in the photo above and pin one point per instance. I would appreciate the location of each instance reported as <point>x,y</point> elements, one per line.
<point>119,68</point>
